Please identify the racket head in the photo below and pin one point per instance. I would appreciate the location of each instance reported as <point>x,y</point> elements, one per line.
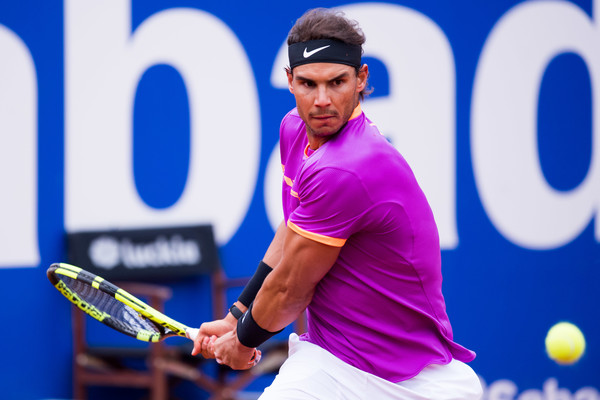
<point>112,305</point>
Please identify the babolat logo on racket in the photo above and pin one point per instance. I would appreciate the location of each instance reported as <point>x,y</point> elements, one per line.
<point>129,315</point>
<point>79,302</point>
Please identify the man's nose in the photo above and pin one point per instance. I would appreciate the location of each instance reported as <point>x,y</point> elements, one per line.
<point>323,99</point>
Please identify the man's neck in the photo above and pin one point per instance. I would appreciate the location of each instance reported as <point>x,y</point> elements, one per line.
<point>317,140</point>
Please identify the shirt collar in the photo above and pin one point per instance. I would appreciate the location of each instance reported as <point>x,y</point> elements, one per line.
<point>356,112</point>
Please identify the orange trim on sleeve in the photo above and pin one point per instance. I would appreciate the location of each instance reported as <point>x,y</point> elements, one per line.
<point>288,181</point>
<point>328,240</point>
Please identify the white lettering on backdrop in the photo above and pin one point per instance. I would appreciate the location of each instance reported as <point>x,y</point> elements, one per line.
<point>18,153</point>
<point>517,198</point>
<point>104,63</point>
<point>103,67</point>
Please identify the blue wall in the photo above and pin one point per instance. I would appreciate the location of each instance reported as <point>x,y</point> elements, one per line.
<point>117,114</point>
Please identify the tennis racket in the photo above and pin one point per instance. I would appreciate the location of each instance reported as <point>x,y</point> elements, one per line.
<point>114,306</point>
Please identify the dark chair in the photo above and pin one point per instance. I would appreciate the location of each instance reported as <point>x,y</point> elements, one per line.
<point>104,366</point>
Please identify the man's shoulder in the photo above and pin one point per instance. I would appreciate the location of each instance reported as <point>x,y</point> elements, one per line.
<point>292,117</point>
<point>361,142</point>
<point>291,125</point>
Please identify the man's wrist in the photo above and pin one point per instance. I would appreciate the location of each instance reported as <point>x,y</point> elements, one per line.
<point>230,317</point>
<point>249,333</point>
<point>235,311</point>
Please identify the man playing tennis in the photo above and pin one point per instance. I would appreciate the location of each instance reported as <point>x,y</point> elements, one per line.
<point>359,249</point>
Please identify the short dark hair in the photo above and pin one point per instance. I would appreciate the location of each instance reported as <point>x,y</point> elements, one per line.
<point>325,23</point>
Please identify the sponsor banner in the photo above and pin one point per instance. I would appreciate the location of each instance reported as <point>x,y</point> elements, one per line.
<point>144,254</point>
<point>505,389</point>
<point>118,115</point>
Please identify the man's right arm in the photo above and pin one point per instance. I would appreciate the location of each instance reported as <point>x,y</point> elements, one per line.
<point>220,327</point>
<point>275,250</point>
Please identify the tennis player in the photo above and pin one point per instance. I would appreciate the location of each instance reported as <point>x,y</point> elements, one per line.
<point>359,249</point>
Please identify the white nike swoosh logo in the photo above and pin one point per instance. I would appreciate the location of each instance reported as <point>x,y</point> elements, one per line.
<point>310,53</point>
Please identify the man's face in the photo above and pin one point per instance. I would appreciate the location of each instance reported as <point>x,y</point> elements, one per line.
<point>326,95</point>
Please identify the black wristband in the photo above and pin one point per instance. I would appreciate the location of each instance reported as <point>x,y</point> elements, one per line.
<point>235,311</point>
<point>249,333</point>
<point>249,293</point>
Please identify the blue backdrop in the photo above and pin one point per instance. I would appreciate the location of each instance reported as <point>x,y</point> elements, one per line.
<point>127,114</point>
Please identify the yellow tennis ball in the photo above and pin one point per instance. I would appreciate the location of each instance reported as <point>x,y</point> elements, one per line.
<point>565,343</point>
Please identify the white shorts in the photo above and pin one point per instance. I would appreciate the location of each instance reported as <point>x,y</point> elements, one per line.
<point>310,372</point>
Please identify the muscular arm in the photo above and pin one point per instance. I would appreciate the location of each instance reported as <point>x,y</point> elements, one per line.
<point>275,250</point>
<point>220,327</point>
<point>288,290</point>
<point>285,293</point>
<point>273,254</point>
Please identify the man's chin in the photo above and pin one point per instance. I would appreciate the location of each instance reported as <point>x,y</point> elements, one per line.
<point>325,131</point>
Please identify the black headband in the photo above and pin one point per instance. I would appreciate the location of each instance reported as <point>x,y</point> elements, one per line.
<point>324,51</point>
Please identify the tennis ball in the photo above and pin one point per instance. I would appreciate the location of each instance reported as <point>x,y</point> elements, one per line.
<point>565,343</point>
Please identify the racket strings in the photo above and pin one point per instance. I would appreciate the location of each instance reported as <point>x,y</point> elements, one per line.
<point>121,315</point>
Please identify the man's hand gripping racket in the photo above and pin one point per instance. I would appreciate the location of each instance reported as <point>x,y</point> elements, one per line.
<point>117,308</point>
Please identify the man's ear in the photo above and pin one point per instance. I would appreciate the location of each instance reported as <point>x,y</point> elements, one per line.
<point>363,75</point>
<point>290,77</point>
